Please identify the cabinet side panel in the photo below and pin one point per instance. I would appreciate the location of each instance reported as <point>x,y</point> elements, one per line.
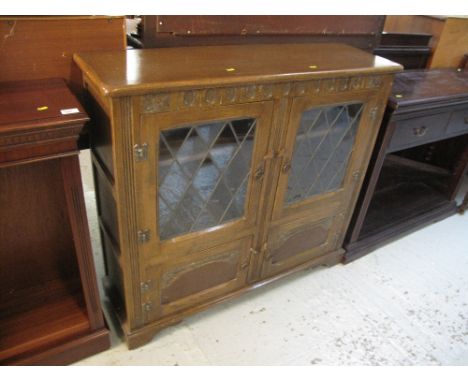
<point>125,196</point>
<point>114,276</point>
<point>101,139</point>
<point>107,206</point>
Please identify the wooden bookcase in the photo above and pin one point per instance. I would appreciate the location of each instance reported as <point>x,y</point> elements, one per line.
<point>218,169</point>
<point>50,310</point>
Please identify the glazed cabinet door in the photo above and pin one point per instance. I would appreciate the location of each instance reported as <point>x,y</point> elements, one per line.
<point>324,156</point>
<point>198,193</point>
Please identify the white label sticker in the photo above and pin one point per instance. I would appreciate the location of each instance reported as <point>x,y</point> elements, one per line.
<point>69,111</point>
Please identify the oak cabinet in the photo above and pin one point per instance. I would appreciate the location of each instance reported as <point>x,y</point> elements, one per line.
<point>216,172</point>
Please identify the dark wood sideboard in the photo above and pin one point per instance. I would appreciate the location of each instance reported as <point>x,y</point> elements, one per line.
<point>50,312</point>
<point>219,169</point>
<point>419,160</point>
<point>360,31</point>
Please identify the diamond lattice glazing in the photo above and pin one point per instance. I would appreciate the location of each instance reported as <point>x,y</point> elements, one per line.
<point>203,175</point>
<point>324,142</point>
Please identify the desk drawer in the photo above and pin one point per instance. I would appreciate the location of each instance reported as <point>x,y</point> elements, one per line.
<point>458,122</point>
<point>417,131</point>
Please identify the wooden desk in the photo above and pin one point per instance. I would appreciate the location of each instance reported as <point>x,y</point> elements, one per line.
<point>419,161</point>
<point>50,312</point>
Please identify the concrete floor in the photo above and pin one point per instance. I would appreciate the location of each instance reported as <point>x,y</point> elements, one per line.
<point>404,304</point>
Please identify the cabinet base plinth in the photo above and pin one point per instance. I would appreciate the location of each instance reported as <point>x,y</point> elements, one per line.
<point>69,352</point>
<point>145,334</point>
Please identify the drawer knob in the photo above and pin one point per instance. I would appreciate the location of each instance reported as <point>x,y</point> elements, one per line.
<point>420,131</point>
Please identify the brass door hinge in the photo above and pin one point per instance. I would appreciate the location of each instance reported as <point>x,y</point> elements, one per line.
<point>143,236</point>
<point>140,152</point>
<point>147,306</point>
<point>373,113</point>
<point>145,286</point>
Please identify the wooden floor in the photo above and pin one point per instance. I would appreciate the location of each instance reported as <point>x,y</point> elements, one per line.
<point>404,304</point>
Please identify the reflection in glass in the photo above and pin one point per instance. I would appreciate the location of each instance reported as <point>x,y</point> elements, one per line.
<point>203,175</point>
<point>323,145</point>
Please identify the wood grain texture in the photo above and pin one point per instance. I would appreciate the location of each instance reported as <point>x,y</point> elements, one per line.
<point>48,294</point>
<point>151,70</point>
<point>165,279</point>
<point>416,24</point>
<point>69,352</point>
<point>80,232</point>
<point>425,114</point>
<point>42,47</point>
<point>126,206</point>
<point>143,335</point>
<point>452,45</point>
<point>164,31</point>
<point>52,322</point>
<point>428,88</point>
<point>449,36</point>
<point>289,25</point>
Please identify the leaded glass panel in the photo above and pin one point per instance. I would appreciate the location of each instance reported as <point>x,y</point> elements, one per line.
<point>203,175</point>
<point>324,142</point>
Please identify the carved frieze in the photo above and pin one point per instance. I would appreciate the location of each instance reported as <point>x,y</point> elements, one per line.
<point>162,102</point>
<point>34,137</point>
<point>156,103</point>
<point>336,85</point>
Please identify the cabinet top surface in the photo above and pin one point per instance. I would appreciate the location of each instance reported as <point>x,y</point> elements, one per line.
<point>39,103</point>
<point>117,73</point>
<point>420,87</point>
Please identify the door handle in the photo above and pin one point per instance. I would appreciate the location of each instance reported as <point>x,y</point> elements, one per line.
<point>420,131</point>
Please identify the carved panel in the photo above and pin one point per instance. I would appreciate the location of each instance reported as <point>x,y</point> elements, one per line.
<point>212,96</point>
<point>286,89</point>
<point>189,98</point>
<point>230,95</point>
<point>197,276</point>
<point>293,242</point>
<point>169,277</point>
<point>266,90</point>
<point>161,102</point>
<point>336,85</point>
<point>156,103</point>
